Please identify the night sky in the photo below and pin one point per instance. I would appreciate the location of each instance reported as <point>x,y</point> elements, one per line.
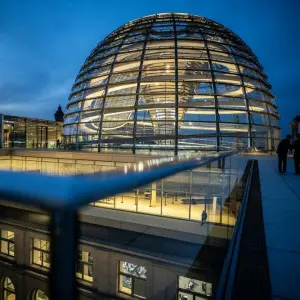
<point>44,43</point>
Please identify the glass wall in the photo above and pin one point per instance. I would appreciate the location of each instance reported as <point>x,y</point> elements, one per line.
<point>206,194</point>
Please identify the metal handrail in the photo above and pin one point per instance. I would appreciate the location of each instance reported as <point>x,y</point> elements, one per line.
<point>72,191</point>
<point>63,195</point>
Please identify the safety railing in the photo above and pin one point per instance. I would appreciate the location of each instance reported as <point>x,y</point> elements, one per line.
<point>62,196</point>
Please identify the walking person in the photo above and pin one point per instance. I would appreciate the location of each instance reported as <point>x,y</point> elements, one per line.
<point>296,147</point>
<point>282,151</point>
<point>203,217</point>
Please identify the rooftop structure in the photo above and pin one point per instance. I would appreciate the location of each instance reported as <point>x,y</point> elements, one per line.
<point>22,132</point>
<point>169,84</point>
<point>121,234</point>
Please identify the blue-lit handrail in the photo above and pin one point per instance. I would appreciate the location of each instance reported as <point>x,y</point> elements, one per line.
<point>63,195</point>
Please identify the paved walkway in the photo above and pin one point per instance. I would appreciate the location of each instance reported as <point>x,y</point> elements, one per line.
<point>281,209</point>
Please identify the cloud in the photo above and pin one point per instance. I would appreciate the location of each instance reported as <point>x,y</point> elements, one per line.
<point>42,103</point>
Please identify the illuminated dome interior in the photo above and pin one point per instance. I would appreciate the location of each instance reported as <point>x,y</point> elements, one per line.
<point>171,83</point>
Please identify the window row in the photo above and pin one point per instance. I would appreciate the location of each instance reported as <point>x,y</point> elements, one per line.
<point>186,90</point>
<point>122,60</point>
<point>161,49</point>
<point>167,74</point>
<point>8,291</point>
<point>40,255</point>
<point>133,281</point>
<point>168,101</point>
<point>192,39</point>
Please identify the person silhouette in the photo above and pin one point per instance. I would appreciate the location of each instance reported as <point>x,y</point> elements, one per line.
<point>203,217</point>
<point>282,151</point>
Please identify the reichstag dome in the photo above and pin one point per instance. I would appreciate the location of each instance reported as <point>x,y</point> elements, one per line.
<point>171,83</point>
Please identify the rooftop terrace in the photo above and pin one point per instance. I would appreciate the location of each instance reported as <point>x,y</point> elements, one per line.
<point>145,210</point>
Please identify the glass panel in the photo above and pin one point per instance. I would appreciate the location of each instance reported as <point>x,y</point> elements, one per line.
<point>8,135</point>
<point>260,119</point>
<point>233,116</point>
<point>40,295</point>
<point>132,269</point>
<point>4,247</point>
<point>229,90</point>
<point>8,289</point>
<point>227,78</point>
<point>232,103</point>
<point>37,257</point>
<point>71,118</point>
<point>139,288</point>
<point>185,296</point>
<point>195,286</point>
<point>46,260</point>
<point>125,284</point>
<point>19,135</point>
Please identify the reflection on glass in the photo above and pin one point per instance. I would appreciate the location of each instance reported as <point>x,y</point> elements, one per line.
<point>188,288</point>
<point>132,279</point>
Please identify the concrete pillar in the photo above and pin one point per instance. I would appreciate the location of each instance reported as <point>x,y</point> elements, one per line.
<point>153,194</point>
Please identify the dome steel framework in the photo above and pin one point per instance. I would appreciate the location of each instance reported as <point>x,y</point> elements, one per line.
<point>171,83</point>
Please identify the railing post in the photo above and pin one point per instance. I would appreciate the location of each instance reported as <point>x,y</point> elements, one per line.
<point>64,231</point>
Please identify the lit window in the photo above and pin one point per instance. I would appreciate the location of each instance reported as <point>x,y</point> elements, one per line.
<point>132,279</point>
<point>192,289</point>
<point>7,242</point>
<point>8,290</point>
<point>39,295</point>
<point>41,253</point>
<point>84,268</point>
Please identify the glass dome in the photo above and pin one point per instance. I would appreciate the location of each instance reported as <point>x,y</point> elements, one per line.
<point>171,83</point>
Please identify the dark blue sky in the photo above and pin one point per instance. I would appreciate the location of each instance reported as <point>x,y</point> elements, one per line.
<point>44,43</point>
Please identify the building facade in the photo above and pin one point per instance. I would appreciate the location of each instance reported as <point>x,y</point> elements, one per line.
<point>171,83</point>
<point>127,248</point>
<point>109,264</point>
<point>21,132</point>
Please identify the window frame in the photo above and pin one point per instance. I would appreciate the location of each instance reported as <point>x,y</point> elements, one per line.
<point>9,242</point>
<point>84,263</point>
<point>191,293</point>
<point>35,294</point>
<point>6,289</point>
<point>42,251</point>
<point>133,277</point>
